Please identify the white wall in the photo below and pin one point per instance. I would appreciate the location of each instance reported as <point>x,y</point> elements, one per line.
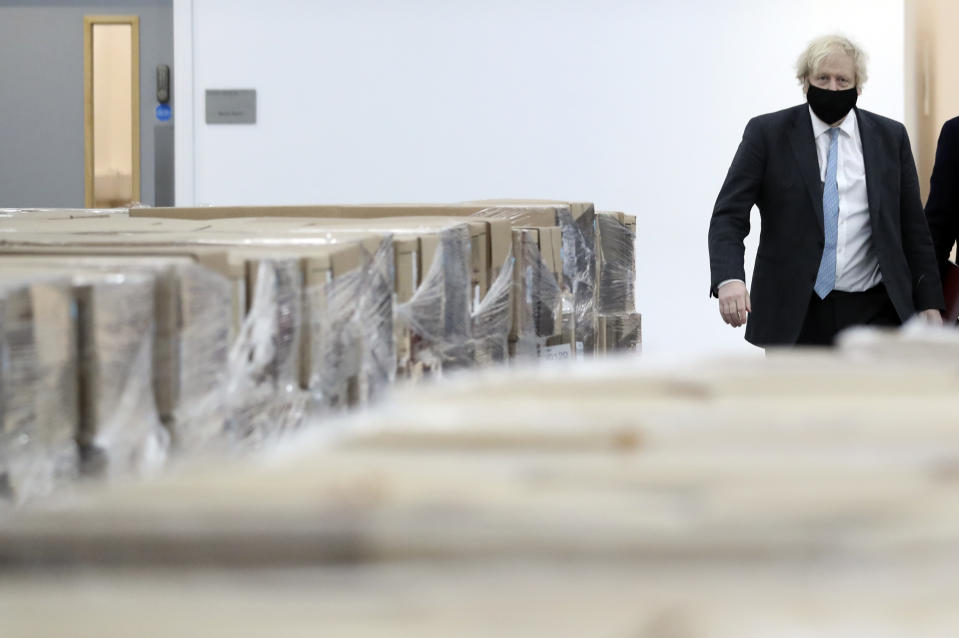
<point>637,106</point>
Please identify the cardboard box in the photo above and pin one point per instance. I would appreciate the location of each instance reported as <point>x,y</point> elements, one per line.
<point>216,258</point>
<point>192,331</point>
<point>12,214</point>
<point>221,249</point>
<point>537,311</point>
<point>403,229</point>
<point>578,210</point>
<point>120,431</point>
<point>577,221</point>
<point>441,310</point>
<point>39,408</point>
<point>332,211</point>
<point>436,310</point>
<point>498,232</point>
<point>630,221</point>
<point>335,295</point>
<point>500,219</point>
<point>346,293</point>
<point>414,245</point>
<point>621,332</point>
<point>616,263</point>
<point>97,224</point>
<point>496,227</point>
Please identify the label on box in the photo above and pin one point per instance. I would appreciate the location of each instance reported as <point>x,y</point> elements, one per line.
<point>580,350</point>
<point>561,352</point>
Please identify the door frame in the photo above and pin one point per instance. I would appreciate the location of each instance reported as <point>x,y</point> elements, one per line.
<point>88,22</point>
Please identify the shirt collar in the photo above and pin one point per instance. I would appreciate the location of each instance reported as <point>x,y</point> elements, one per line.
<point>848,125</point>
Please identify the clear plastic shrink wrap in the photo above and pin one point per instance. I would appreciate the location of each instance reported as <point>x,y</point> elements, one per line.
<point>621,331</point>
<point>438,314</point>
<point>487,337</point>
<point>192,334</point>
<point>442,337</point>
<point>345,343</point>
<point>335,341</point>
<point>351,342</point>
<point>438,271</point>
<point>538,298</point>
<point>304,350</point>
<point>579,267</point>
<point>617,264</point>
<point>226,394</point>
<point>376,320</point>
<point>39,410</point>
<point>117,425</point>
<point>586,294</point>
<point>620,326</point>
<point>491,318</point>
<point>363,216</point>
<point>576,221</point>
<point>579,240</point>
<point>201,350</point>
<point>262,394</point>
<point>418,242</point>
<point>120,431</point>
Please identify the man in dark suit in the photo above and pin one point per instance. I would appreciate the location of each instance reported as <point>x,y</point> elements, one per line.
<point>942,207</point>
<point>844,240</point>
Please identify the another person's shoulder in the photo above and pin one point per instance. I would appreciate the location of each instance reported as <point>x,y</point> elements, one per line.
<point>951,128</point>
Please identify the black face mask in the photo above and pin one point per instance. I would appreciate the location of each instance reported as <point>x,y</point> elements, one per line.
<point>831,106</point>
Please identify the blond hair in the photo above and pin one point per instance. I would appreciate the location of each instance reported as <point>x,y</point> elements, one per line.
<point>821,48</point>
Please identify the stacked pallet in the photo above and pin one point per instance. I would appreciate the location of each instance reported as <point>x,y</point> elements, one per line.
<point>212,329</point>
<point>810,493</point>
<point>619,326</point>
<point>553,249</point>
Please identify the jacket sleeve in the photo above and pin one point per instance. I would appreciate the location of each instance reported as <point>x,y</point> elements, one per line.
<point>942,207</point>
<point>729,224</point>
<point>916,240</point>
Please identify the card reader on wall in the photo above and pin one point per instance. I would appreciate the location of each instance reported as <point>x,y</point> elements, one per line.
<point>163,83</point>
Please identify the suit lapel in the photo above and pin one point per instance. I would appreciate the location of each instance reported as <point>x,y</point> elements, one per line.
<point>871,161</point>
<point>804,150</point>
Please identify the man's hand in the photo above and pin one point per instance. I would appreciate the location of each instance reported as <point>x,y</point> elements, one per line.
<point>734,303</point>
<point>933,317</point>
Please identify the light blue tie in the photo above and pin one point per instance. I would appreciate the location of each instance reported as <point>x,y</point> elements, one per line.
<point>826,278</point>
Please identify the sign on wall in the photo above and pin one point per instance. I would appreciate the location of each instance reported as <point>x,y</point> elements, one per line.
<point>231,106</point>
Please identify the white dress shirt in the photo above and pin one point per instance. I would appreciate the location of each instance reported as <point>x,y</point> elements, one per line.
<point>857,267</point>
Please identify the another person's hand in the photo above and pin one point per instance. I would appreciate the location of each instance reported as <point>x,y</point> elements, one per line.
<point>734,303</point>
<point>933,316</point>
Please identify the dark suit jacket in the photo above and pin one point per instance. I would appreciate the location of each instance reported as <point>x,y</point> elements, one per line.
<point>777,169</point>
<point>942,208</point>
